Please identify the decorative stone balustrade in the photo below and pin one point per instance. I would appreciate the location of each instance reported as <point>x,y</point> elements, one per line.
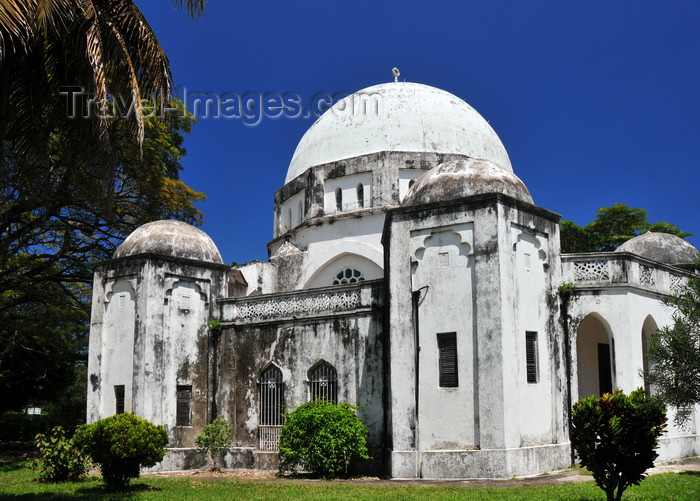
<point>341,299</point>
<point>620,269</point>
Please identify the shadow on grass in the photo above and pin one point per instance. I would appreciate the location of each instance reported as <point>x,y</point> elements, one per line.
<point>692,473</point>
<point>85,493</point>
<point>7,466</point>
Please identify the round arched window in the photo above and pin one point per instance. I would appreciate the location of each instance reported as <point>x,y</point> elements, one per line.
<point>348,276</point>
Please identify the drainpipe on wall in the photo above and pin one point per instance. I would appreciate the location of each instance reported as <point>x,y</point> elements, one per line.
<point>415,297</point>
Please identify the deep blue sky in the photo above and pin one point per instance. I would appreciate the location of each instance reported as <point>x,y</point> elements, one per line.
<point>597,102</point>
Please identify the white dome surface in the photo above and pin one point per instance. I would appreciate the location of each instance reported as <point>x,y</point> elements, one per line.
<point>168,237</point>
<point>397,116</point>
<point>463,178</point>
<point>661,247</point>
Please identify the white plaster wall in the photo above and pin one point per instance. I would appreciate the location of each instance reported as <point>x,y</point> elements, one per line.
<point>348,185</point>
<point>444,267</point>
<point>260,275</point>
<point>324,276</point>
<point>533,401</point>
<point>405,178</point>
<point>292,212</point>
<point>183,319</point>
<point>625,312</point>
<point>326,242</point>
<point>118,346</point>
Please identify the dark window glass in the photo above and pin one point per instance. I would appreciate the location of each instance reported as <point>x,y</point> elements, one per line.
<point>119,398</point>
<point>604,369</point>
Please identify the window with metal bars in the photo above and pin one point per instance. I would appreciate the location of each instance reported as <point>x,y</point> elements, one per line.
<point>184,404</point>
<point>447,359</point>
<point>119,398</point>
<point>271,388</point>
<point>323,383</point>
<point>531,360</point>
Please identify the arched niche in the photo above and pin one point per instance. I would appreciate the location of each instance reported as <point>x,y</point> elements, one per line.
<point>595,355</point>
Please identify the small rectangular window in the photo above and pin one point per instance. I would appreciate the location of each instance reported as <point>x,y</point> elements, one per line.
<point>447,363</point>
<point>184,402</point>
<point>531,361</point>
<point>119,398</point>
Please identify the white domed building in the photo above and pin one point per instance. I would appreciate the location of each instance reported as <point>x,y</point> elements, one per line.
<point>411,273</point>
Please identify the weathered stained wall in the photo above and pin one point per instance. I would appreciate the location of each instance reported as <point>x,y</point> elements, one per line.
<point>480,267</point>
<point>340,325</point>
<point>161,342</point>
<point>619,302</point>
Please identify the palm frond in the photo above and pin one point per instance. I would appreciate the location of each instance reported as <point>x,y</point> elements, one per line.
<point>194,7</point>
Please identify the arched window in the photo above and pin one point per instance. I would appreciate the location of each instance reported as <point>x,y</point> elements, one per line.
<point>348,276</point>
<point>289,217</point>
<point>271,410</point>
<point>301,212</point>
<point>360,196</point>
<point>338,199</point>
<point>411,183</point>
<point>323,383</point>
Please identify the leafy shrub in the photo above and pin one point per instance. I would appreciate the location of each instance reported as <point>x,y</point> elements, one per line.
<point>121,444</point>
<point>61,459</point>
<point>215,438</point>
<point>615,437</point>
<point>322,437</point>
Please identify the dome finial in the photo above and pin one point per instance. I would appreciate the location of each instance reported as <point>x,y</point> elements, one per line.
<point>395,71</point>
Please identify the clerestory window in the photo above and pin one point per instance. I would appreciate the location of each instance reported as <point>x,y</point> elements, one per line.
<point>348,276</point>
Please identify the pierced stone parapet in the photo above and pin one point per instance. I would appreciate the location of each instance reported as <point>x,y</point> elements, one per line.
<point>300,304</point>
<point>585,271</point>
<point>646,275</point>
<point>621,269</point>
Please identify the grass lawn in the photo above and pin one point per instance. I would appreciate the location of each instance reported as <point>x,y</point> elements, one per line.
<point>18,482</point>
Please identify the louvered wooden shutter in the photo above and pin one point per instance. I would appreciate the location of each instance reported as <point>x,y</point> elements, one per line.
<point>531,356</point>
<point>447,365</point>
<point>184,399</point>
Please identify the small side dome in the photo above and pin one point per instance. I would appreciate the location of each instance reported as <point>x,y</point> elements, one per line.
<point>462,178</point>
<point>662,247</point>
<point>170,238</point>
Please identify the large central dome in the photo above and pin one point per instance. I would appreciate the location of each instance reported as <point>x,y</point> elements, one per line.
<point>397,116</point>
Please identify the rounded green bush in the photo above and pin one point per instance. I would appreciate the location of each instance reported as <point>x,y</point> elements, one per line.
<point>121,445</point>
<point>322,437</point>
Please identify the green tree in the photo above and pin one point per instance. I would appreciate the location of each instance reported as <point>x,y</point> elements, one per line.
<point>54,226</point>
<point>615,437</point>
<point>214,439</point>
<point>73,183</point>
<point>611,227</point>
<point>674,354</point>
